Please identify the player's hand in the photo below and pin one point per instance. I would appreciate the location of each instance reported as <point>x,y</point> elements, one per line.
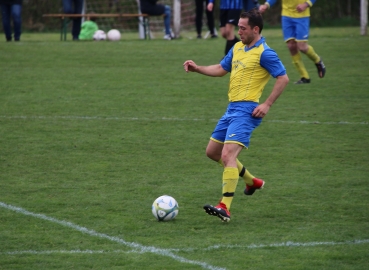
<point>261,110</point>
<point>210,6</point>
<point>302,7</point>
<point>190,66</point>
<point>263,8</point>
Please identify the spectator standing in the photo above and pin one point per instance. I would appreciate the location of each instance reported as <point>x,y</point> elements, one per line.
<point>209,18</point>
<point>11,9</point>
<point>74,7</point>
<point>151,8</point>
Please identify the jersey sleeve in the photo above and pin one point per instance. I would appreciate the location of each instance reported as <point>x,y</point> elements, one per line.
<point>271,62</point>
<point>311,2</point>
<point>270,2</point>
<point>226,62</point>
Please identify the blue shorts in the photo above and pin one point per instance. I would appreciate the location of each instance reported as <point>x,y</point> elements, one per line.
<point>295,28</point>
<point>237,124</point>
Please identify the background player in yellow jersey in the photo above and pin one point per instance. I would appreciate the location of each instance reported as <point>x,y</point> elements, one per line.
<point>295,27</point>
<point>251,63</point>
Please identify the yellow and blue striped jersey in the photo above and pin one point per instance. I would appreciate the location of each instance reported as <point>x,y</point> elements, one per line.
<point>251,69</point>
<point>289,7</point>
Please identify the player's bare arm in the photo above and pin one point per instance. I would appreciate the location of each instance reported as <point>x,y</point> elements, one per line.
<point>213,70</point>
<point>210,6</point>
<point>301,7</point>
<point>262,109</point>
<point>263,8</point>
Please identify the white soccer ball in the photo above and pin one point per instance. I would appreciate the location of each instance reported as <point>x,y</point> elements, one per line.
<point>165,208</point>
<point>99,35</point>
<point>114,35</point>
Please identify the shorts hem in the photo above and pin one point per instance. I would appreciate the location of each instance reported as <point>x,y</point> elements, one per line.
<point>215,140</point>
<point>236,142</point>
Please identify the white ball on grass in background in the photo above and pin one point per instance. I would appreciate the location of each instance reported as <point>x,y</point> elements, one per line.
<point>99,35</point>
<point>165,208</point>
<point>114,35</point>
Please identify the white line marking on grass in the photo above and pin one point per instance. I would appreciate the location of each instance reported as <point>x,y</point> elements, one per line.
<point>77,251</point>
<point>173,119</point>
<point>283,244</point>
<point>137,247</point>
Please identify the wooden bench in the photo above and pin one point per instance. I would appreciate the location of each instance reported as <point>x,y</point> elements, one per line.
<point>143,19</point>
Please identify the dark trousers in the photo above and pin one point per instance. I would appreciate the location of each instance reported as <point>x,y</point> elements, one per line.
<point>74,7</point>
<point>200,12</point>
<point>8,12</point>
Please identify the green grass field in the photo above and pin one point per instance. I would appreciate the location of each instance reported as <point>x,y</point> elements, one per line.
<point>92,132</point>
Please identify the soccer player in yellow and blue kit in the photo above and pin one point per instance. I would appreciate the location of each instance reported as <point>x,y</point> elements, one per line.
<point>251,63</point>
<point>295,27</point>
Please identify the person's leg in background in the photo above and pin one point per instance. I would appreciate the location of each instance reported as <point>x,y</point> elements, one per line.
<point>228,22</point>
<point>210,20</point>
<point>77,22</point>
<point>168,34</point>
<point>302,29</point>
<point>16,11</point>
<point>289,35</point>
<point>5,14</point>
<point>74,7</point>
<point>198,18</point>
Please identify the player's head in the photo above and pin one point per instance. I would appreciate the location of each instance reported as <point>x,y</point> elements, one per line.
<point>254,18</point>
<point>250,26</point>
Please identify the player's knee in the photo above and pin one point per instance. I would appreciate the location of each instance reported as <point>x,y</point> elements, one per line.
<point>210,153</point>
<point>226,156</point>
<point>302,46</point>
<point>291,45</point>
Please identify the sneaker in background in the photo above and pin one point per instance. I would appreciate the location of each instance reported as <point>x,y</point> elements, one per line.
<point>168,37</point>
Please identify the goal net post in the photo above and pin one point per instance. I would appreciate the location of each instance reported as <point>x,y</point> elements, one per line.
<point>364,17</point>
<point>177,17</point>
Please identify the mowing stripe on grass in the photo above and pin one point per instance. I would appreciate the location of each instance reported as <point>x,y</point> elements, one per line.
<point>135,246</point>
<point>174,119</point>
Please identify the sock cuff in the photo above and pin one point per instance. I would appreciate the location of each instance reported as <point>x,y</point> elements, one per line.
<point>242,172</point>
<point>220,161</point>
<point>296,57</point>
<point>231,172</point>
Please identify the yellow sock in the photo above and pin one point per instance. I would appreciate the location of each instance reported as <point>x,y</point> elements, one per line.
<point>221,163</point>
<point>230,180</point>
<point>312,54</point>
<point>299,65</point>
<point>245,174</point>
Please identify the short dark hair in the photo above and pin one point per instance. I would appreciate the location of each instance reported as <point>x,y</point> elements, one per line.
<point>255,18</point>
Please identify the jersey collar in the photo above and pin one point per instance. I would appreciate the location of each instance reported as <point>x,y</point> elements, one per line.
<point>257,44</point>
